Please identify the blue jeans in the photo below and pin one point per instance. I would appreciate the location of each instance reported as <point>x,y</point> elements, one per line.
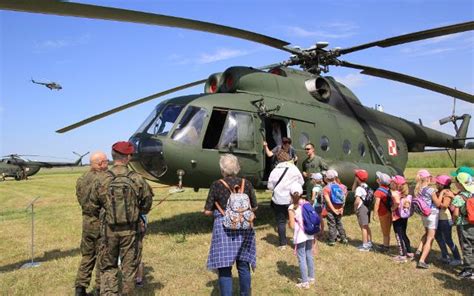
<point>443,238</point>
<point>304,251</point>
<point>225,279</point>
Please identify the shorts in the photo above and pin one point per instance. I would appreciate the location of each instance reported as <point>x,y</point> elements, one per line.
<point>430,222</point>
<point>363,215</point>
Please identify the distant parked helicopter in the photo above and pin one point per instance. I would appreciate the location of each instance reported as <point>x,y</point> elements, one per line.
<point>50,85</point>
<point>20,168</point>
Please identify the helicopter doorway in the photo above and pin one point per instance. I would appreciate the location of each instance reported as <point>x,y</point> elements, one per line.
<point>275,130</point>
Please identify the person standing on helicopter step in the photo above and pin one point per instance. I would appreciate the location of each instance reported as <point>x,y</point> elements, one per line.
<point>312,164</point>
<point>285,146</point>
<point>124,195</point>
<point>90,222</point>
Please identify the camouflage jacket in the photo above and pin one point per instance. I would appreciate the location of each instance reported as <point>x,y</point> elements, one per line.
<point>145,195</point>
<point>84,193</point>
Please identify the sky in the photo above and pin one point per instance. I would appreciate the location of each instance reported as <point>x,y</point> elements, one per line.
<point>104,64</point>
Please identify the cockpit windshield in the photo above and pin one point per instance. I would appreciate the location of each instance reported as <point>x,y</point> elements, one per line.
<point>161,120</point>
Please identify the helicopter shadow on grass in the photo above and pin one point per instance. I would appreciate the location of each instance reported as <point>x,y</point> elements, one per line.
<point>47,256</point>
<point>197,223</point>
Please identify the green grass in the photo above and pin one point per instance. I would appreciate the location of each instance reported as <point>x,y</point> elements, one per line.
<point>177,245</point>
<point>440,159</point>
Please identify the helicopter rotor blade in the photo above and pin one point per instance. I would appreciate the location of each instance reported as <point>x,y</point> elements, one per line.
<point>411,37</point>
<point>128,105</point>
<point>124,15</point>
<point>411,80</point>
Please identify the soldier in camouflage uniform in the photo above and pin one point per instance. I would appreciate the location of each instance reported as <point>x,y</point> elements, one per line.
<point>121,239</point>
<point>312,164</point>
<point>90,222</point>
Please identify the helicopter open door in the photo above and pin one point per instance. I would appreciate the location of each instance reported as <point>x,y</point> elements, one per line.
<point>275,130</point>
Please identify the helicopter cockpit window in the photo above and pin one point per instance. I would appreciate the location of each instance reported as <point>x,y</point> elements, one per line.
<point>324,143</point>
<point>164,120</point>
<point>189,128</point>
<point>238,132</point>
<point>144,126</point>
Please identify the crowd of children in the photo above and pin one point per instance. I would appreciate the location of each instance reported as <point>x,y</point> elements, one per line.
<point>441,202</point>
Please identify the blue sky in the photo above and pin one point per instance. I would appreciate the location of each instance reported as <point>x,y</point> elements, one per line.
<point>104,64</point>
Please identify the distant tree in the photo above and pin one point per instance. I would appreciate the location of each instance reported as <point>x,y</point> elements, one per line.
<point>470,145</point>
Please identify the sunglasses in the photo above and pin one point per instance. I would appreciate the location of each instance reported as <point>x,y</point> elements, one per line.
<point>307,148</point>
<point>286,142</point>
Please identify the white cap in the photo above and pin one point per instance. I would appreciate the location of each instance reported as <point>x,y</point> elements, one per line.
<point>331,174</point>
<point>296,188</point>
<point>316,176</point>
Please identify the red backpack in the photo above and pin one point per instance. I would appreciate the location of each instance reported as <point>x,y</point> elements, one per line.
<point>470,209</point>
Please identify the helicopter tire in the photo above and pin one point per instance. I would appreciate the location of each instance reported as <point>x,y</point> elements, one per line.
<point>18,176</point>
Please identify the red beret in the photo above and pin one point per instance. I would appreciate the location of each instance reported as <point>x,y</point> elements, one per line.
<point>362,175</point>
<point>123,147</point>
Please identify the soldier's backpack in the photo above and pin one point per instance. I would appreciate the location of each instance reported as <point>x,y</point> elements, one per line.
<point>337,195</point>
<point>311,221</point>
<point>238,213</point>
<point>122,200</point>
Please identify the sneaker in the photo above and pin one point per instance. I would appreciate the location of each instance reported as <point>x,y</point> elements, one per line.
<point>455,262</point>
<point>311,280</point>
<point>411,256</point>
<point>445,260</point>
<point>364,248</point>
<point>282,248</point>
<point>400,259</point>
<point>344,241</point>
<point>422,265</point>
<point>417,253</point>
<point>370,244</point>
<point>331,244</point>
<point>302,285</point>
<point>465,273</point>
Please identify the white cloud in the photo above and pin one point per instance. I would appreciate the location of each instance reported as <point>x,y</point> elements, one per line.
<point>61,43</point>
<point>330,30</point>
<point>220,55</point>
<point>351,80</point>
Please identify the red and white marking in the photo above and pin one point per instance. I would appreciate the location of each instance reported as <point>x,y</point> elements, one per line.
<point>392,147</point>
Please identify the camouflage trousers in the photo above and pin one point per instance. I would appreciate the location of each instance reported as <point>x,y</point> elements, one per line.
<point>127,248</point>
<point>89,251</point>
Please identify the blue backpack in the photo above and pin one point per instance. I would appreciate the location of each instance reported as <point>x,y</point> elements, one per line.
<point>337,195</point>
<point>311,220</point>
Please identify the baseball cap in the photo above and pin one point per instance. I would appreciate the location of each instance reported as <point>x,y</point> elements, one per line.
<point>363,175</point>
<point>123,147</point>
<point>296,188</point>
<point>444,180</point>
<point>423,173</point>
<point>383,178</point>
<point>399,180</point>
<point>466,181</point>
<point>316,176</point>
<point>463,169</point>
<point>331,174</point>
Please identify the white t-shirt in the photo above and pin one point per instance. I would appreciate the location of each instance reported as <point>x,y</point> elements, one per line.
<point>361,191</point>
<point>299,236</point>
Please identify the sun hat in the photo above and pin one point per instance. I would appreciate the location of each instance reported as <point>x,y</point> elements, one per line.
<point>463,169</point>
<point>331,174</point>
<point>383,178</point>
<point>444,180</point>
<point>466,181</point>
<point>423,173</point>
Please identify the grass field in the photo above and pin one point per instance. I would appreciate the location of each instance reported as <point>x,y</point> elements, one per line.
<point>177,245</point>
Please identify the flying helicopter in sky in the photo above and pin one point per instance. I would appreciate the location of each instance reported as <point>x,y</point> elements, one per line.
<point>50,85</point>
<point>186,135</point>
<point>20,168</point>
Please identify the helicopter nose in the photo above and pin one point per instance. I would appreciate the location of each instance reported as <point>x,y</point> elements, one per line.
<point>148,157</point>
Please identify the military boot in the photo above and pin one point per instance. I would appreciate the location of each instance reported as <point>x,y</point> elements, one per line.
<point>81,291</point>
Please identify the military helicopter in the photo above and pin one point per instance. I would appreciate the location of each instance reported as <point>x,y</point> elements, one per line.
<point>20,168</point>
<point>50,85</point>
<point>183,137</point>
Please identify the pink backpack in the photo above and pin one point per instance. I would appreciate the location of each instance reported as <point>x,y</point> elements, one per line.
<point>420,206</point>
<point>405,208</point>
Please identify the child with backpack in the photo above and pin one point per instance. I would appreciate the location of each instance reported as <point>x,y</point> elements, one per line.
<point>401,211</point>
<point>334,197</point>
<point>430,222</point>
<point>443,232</point>
<point>382,207</point>
<point>317,196</point>
<point>364,197</point>
<point>464,214</point>
<point>304,220</point>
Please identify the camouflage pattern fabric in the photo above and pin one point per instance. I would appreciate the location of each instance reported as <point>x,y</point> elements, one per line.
<point>90,228</point>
